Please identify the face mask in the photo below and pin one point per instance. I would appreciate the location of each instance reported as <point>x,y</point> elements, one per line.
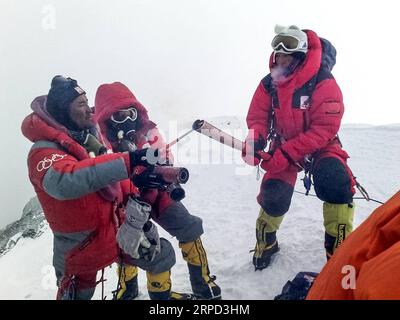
<point>123,130</point>
<point>123,124</point>
<point>122,135</point>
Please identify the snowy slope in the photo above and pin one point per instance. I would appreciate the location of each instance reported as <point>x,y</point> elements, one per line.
<point>223,195</point>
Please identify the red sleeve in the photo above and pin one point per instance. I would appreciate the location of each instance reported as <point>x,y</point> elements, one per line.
<point>63,176</point>
<point>325,114</point>
<point>259,112</point>
<point>128,189</point>
<point>70,165</point>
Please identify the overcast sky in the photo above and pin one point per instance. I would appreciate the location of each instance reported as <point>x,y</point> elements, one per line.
<point>183,59</point>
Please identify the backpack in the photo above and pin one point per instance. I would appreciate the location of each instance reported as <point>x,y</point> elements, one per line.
<point>298,288</point>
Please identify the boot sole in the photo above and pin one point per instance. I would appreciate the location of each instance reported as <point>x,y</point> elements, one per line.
<point>267,262</point>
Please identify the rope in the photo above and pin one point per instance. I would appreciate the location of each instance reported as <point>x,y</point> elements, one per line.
<point>365,195</point>
<point>362,190</point>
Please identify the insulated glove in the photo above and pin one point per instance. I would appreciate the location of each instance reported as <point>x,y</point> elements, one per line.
<point>253,143</point>
<point>144,157</point>
<point>151,233</point>
<point>145,178</point>
<point>274,163</point>
<point>130,235</point>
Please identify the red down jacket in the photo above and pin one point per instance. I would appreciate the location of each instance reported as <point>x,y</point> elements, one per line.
<point>78,194</point>
<point>308,127</point>
<point>116,96</point>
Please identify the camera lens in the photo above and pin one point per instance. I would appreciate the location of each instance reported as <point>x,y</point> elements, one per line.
<point>183,175</point>
<point>176,192</point>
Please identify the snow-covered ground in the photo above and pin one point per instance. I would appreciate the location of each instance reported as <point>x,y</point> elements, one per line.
<point>223,195</point>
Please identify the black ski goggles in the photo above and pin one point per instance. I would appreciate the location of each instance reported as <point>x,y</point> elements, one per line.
<point>123,115</point>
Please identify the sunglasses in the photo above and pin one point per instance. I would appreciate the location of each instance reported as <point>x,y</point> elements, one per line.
<point>123,115</point>
<point>285,43</point>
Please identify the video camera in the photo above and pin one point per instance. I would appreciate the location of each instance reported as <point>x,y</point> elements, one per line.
<point>162,177</point>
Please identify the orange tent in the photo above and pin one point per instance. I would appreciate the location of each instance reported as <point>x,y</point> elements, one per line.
<point>367,264</point>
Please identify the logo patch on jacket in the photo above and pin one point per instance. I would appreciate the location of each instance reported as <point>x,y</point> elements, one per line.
<point>46,163</point>
<point>304,102</point>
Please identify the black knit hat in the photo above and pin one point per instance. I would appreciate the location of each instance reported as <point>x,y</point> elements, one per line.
<point>62,92</point>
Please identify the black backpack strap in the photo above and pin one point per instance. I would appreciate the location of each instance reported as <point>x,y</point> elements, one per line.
<point>308,88</point>
<point>270,88</point>
<point>301,97</point>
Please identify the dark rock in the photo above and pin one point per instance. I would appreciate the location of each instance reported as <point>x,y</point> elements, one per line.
<point>31,225</point>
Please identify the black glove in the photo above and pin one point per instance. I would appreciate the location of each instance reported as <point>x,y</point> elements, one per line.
<point>251,147</point>
<point>147,179</point>
<point>259,143</point>
<point>145,157</point>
